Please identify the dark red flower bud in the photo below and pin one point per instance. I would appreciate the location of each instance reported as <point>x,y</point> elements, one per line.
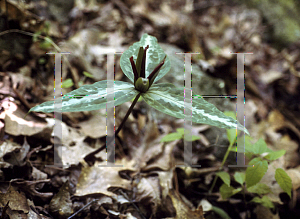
<point>155,72</point>
<point>134,68</point>
<point>143,74</point>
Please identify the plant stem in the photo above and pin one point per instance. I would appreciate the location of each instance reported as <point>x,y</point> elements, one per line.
<point>226,155</point>
<point>213,184</point>
<point>221,167</point>
<point>91,156</point>
<point>128,113</point>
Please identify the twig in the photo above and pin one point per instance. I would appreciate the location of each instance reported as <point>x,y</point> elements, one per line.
<point>21,98</point>
<point>31,34</point>
<point>134,205</point>
<point>81,209</point>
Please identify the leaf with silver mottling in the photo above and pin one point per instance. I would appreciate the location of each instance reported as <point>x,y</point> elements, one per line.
<point>154,56</point>
<point>90,97</point>
<point>169,99</point>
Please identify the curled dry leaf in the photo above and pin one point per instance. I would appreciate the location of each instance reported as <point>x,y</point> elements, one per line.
<point>183,210</point>
<point>295,176</point>
<point>30,188</point>
<point>18,155</point>
<point>17,201</point>
<point>149,192</point>
<point>99,178</point>
<point>16,125</point>
<point>74,146</point>
<point>61,204</point>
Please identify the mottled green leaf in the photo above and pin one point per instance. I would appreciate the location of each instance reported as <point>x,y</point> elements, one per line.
<point>194,137</point>
<point>139,100</point>
<point>154,56</point>
<point>256,172</point>
<point>171,137</point>
<point>227,191</point>
<point>87,74</point>
<point>67,83</point>
<point>259,188</point>
<point>283,180</point>
<point>177,135</point>
<point>274,155</point>
<point>251,149</point>
<point>225,177</point>
<point>237,190</point>
<point>181,131</point>
<point>248,145</point>
<point>265,201</point>
<point>239,177</point>
<point>169,99</point>
<point>90,97</point>
<point>260,147</point>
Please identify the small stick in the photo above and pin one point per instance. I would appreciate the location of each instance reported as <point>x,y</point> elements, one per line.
<point>81,209</point>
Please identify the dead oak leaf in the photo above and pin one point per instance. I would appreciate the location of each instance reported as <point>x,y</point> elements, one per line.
<point>99,178</point>
<point>17,201</point>
<point>149,189</point>
<point>183,210</point>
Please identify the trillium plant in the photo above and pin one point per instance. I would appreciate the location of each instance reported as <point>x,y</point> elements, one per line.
<point>144,63</point>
